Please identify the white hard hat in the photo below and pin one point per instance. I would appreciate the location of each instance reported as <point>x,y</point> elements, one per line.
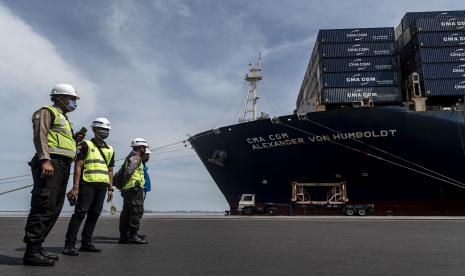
<point>139,142</point>
<point>101,122</point>
<point>64,89</point>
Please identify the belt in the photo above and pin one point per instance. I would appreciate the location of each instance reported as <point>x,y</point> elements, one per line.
<point>61,158</point>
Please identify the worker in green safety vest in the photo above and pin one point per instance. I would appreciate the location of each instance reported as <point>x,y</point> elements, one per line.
<point>133,194</point>
<point>93,176</point>
<point>55,144</point>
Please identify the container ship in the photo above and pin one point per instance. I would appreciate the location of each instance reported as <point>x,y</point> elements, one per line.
<point>380,110</point>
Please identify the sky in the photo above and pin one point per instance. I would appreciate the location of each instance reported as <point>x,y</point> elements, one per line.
<point>161,70</point>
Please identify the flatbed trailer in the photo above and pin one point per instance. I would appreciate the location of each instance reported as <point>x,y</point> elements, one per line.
<point>336,198</point>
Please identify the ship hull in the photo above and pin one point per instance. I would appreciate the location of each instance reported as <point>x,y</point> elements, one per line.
<point>404,162</point>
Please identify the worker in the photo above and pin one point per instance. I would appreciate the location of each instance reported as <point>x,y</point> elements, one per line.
<point>133,194</point>
<point>93,174</point>
<point>55,145</point>
<point>147,182</point>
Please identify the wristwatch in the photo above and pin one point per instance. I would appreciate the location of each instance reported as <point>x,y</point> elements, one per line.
<point>112,189</point>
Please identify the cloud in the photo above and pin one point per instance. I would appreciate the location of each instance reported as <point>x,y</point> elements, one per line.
<point>30,66</point>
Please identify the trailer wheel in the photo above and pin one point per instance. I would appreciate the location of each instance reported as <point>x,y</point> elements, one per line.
<point>361,212</point>
<point>247,211</point>
<point>349,212</point>
<point>272,211</point>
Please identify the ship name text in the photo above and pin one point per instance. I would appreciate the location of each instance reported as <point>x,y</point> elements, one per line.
<point>283,139</point>
<point>273,141</point>
<point>353,135</point>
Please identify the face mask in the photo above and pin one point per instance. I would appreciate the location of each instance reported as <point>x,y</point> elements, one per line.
<point>71,106</point>
<point>102,133</point>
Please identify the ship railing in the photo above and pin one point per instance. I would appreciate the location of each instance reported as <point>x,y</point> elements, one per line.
<point>459,107</point>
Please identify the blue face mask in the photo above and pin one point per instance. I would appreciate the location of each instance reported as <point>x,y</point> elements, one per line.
<point>71,106</point>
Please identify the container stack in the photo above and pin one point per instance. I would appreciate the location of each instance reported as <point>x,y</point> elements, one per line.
<point>433,45</point>
<point>349,65</point>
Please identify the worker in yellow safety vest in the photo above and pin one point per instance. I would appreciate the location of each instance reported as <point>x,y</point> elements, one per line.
<point>55,144</point>
<point>133,194</point>
<point>93,176</point>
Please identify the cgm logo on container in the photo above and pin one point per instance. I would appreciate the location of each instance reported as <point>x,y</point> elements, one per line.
<point>460,70</point>
<point>358,49</point>
<point>455,37</point>
<point>359,64</point>
<point>363,80</point>
<point>458,53</point>
<point>453,22</point>
<point>460,85</point>
<point>358,93</point>
<point>357,35</point>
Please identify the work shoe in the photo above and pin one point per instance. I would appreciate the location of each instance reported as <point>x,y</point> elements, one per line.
<point>47,255</point>
<point>136,239</point>
<point>89,247</point>
<point>70,250</point>
<point>34,257</point>
<point>123,239</point>
<point>141,236</point>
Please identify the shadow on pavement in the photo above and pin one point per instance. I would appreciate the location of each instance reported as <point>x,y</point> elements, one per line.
<point>8,260</point>
<point>55,249</point>
<point>109,240</point>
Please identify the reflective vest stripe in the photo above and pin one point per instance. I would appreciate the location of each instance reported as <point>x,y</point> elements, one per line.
<point>96,172</point>
<point>93,161</point>
<point>61,130</point>
<point>60,151</point>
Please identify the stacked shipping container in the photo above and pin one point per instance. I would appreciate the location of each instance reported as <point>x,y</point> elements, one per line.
<point>433,45</point>
<point>348,65</point>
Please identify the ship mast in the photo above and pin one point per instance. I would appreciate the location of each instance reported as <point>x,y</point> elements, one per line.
<point>253,77</point>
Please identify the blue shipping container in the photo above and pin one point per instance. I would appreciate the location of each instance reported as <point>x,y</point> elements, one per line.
<point>410,17</point>
<point>440,39</point>
<point>356,35</point>
<point>365,49</point>
<point>359,64</point>
<point>362,79</point>
<point>450,87</point>
<point>349,95</point>
<point>439,24</point>
<point>442,70</point>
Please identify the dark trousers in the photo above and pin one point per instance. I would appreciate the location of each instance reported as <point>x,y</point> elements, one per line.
<point>90,202</point>
<point>133,209</point>
<point>47,200</point>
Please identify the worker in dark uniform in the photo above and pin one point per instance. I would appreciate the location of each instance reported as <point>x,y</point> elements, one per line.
<point>93,176</point>
<point>55,145</point>
<point>133,194</point>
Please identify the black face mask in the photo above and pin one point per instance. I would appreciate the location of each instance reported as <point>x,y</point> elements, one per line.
<point>102,133</point>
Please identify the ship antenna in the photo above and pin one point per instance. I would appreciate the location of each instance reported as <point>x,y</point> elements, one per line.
<point>253,77</point>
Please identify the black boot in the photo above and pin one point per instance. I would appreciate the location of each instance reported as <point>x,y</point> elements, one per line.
<point>123,238</point>
<point>32,256</point>
<point>47,255</point>
<point>134,238</point>
<point>89,247</point>
<point>70,250</point>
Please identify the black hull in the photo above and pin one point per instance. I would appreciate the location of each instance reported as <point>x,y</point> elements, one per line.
<point>263,157</point>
